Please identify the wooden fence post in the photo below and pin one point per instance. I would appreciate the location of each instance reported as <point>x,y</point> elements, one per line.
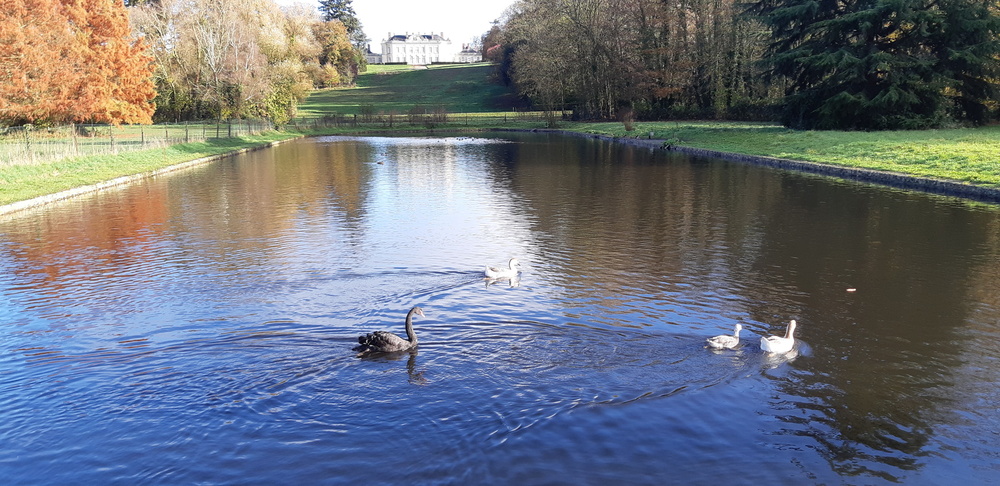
<point>27,144</point>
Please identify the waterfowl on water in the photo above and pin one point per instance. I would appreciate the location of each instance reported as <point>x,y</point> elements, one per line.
<point>497,272</point>
<point>387,342</point>
<point>725,341</point>
<point>778,344</point>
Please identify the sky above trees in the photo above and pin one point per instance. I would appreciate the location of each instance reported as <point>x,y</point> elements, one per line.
<point>459,20</point>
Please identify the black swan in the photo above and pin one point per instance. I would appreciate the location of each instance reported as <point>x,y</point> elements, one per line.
<point>387,342</point>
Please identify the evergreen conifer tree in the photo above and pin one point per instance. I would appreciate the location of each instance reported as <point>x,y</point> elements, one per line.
<point>343,11</point>
<point>884,64</point>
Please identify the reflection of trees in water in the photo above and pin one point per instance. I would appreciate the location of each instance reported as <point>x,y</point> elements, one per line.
<point>55,250</point>
<point>116,261</point>
<point>781,246</point>
<point>239,208</point>
<point>615,219</point>
<point>859,432</point>
<point>884,371</point>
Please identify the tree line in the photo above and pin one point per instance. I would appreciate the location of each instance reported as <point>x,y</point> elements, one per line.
<point>241,58</point>
<point>136,61</point>
<point>846,64</point>
<point>819,64</point>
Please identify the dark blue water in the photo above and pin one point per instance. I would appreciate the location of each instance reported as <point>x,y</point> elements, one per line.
<point>197,328</point>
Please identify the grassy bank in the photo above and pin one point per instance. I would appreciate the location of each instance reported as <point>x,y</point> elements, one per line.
<point>968,155</point>
<point>22,182</point>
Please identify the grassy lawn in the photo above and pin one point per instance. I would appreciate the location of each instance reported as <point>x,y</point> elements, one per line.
<point>962,154</point>
<point>22,182</point>
<point>460,88</point>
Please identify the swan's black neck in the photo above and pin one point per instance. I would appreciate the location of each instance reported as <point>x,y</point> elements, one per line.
<point>410,335</point>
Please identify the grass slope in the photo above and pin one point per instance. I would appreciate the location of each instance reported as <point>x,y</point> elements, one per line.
<point>462,88</point>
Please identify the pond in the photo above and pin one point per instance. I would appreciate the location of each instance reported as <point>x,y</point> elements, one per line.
<point>198,327</point>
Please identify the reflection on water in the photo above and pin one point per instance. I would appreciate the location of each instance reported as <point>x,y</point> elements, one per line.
<point>191,327</point>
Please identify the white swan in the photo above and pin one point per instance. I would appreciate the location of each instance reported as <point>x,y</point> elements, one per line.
<point>387,342</point>
<point>726,341</point>
<point>777,344</point>
<point>497,272</point>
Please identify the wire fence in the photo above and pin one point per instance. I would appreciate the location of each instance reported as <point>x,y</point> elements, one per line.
<point>428,119</point>
<point>25,145</point>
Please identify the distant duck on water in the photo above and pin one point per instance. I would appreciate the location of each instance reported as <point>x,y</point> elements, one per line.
<point>387,342</point>
<point>499,272</point>
<point>778,344</point>
<point>726,341</point>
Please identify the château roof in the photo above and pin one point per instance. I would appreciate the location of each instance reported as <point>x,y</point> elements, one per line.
<point>416,37</point>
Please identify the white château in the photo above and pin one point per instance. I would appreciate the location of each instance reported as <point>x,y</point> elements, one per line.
<point>422,49</point>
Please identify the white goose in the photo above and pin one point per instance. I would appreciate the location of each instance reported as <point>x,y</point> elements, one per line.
<point>497,272</point>
<point>777,344</point>
<point>726,341</point>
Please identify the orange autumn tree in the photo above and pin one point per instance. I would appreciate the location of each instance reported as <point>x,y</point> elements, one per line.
<point>35,44</point>
<point>117,84</point>
<point>72,61</point>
